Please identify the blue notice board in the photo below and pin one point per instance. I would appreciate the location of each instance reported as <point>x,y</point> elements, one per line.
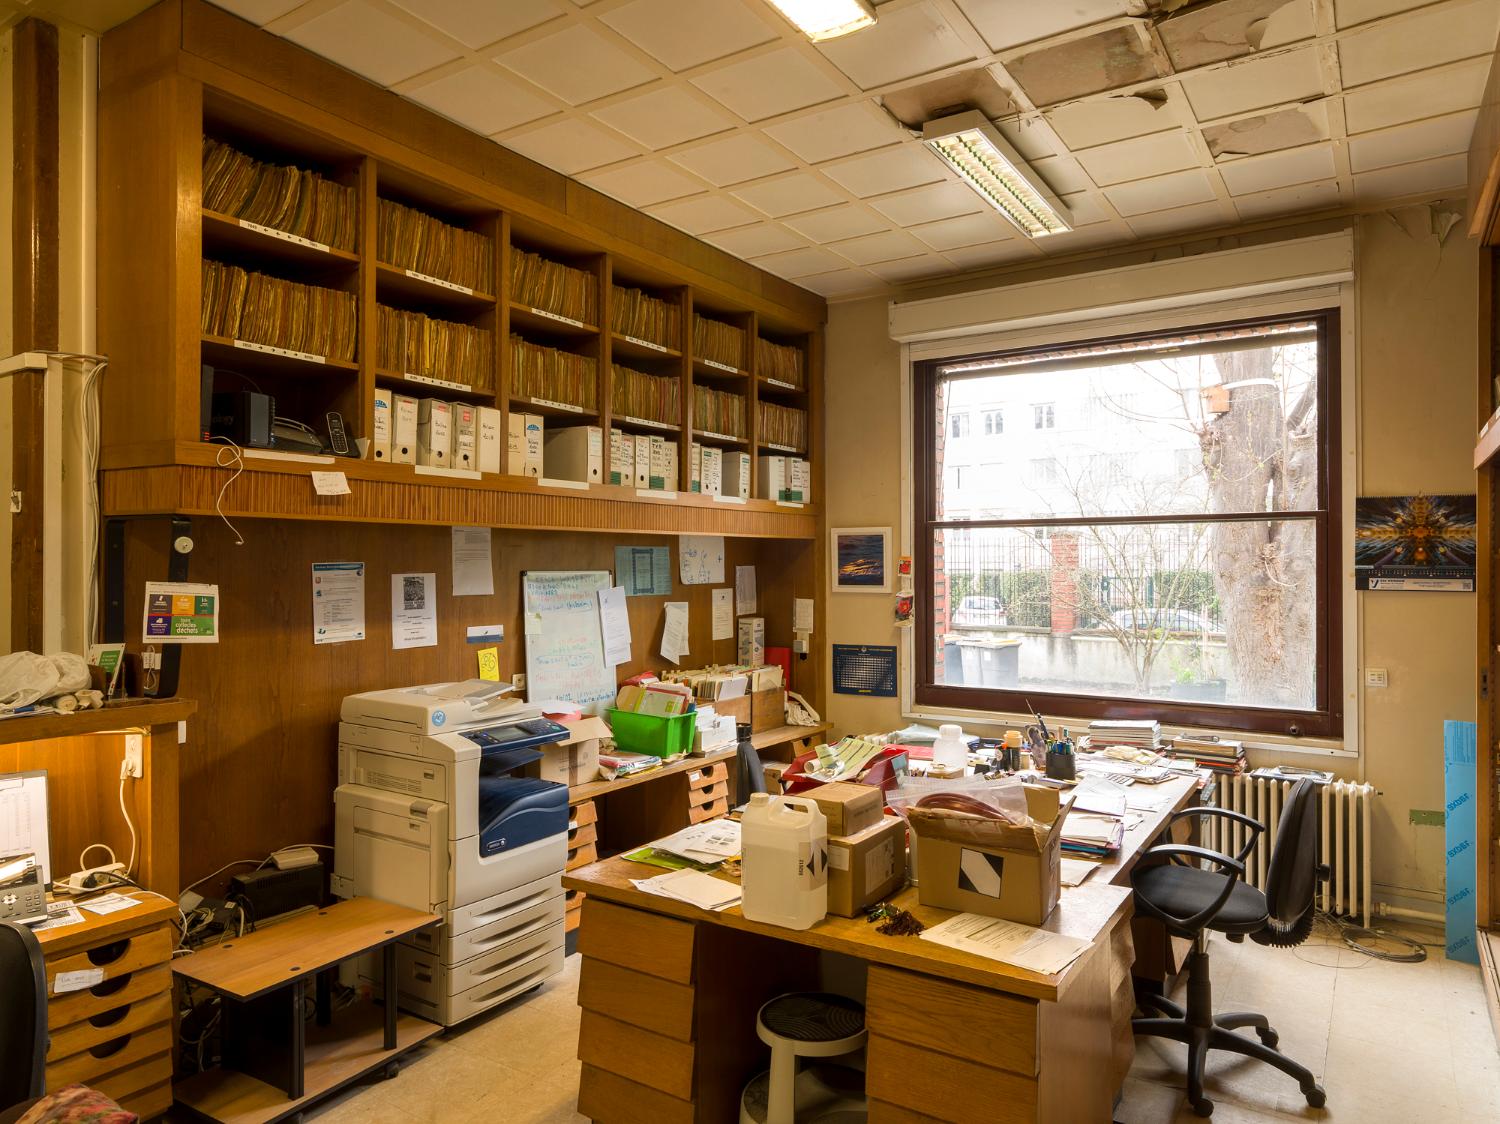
<point>864,669</point>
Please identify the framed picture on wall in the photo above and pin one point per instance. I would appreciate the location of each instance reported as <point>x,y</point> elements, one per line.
<point>861,559</point>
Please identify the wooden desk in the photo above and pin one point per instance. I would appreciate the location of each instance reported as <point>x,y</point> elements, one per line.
<point>669,994</point>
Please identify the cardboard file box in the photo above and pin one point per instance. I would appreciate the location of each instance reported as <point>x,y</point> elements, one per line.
<point>992,867</point>
<point>576,760</point>
<point>867,867</point>
<point>849,808</point>
<point>575,453</point>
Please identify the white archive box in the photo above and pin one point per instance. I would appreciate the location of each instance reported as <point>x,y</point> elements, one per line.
<point>621,458</point>
<point>575,453</point>
<point>737,474</point>
<point>535,433</point>
<point>380,427</point>
<point>404,431</point>
<point>642,461</point>
<point>465,449</point>
<point>434,432</point>
<point>489,439</point>
<point>772,478</point>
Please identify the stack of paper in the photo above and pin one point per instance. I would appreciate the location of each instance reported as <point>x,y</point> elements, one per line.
<point>1142,734</point>
<point>710,842</point>
<point>1008,941</point>
<point>1090,833</point>
<point>693,887</point>
<point>845,758</point>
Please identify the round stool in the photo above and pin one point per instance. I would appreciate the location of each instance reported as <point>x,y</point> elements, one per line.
<point>807,1025</point>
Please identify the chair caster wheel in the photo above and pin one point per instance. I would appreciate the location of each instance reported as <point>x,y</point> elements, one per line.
<point>390,1070</point>
<point>1268,1037</point>
<point>1204,1107</point>
<point>1316,1098</point>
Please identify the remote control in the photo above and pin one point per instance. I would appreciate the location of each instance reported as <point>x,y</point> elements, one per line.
<point>338,440</point>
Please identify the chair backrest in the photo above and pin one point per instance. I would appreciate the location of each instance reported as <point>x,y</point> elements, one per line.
<point>1292,880</point>
<point>23,1015</point>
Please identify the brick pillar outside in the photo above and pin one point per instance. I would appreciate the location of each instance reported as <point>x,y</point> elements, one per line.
<point>1064,584</point>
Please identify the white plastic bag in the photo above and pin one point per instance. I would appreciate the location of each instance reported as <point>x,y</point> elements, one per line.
<point>27,678</point>
<point>1005,795</point>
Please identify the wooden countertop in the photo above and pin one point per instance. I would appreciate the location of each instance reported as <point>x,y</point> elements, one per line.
<point>96,928</point>
<point>118,715</point>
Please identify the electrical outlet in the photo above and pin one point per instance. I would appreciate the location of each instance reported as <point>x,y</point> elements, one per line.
<point>134,747</point>
<point>1377,677</point>
<point>518,681</point>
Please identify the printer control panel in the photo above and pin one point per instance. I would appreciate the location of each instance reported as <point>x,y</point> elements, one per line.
<point>517,735</point>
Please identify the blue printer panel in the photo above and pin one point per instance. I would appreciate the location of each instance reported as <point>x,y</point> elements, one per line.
<point>517,735</point>
<point>515,811</point>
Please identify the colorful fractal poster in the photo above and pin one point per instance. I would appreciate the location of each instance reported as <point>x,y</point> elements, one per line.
<point>1410,543</point>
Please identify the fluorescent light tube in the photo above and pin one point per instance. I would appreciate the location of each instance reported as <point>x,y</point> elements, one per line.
<point>985,161</point>
<point>826,19</point>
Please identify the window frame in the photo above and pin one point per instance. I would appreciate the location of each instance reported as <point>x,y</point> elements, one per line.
<point>1325,720</point>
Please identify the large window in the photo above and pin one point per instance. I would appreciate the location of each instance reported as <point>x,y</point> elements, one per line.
<point>1171,555</point>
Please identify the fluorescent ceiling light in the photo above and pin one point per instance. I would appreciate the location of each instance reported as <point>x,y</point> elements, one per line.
<point>986,161</point>
<point>826,19</point>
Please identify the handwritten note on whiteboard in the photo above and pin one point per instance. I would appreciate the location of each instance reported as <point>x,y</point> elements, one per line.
<point>564,644</point>
<point>700,559</point>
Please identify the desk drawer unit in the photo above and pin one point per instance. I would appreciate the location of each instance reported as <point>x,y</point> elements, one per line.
<point>708,792</point>
<point>583,829</point>
<point>112,1028</point>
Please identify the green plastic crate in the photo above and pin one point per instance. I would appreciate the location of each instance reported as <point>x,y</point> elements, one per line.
<point>653,734</point>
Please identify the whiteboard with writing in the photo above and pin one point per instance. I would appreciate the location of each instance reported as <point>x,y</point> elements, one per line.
<point>700,559</point>
<point>564,644</point>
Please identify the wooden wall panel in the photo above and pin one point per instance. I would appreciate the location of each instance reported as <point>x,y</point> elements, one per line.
<point>260,765</point>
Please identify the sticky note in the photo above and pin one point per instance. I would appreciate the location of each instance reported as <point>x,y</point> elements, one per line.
<point>489,664</point>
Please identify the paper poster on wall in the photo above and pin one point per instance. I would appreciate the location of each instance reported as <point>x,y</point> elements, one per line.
<point>338,602</point>
<point>488,660</point>
<point>1415,543</point>
<point>473,572</point>
<point>564,644</point>
<point>700,559</point>
<point>744,590</point>
<point>181,613</point>
<point>644,571</point>
<point>413,611</point>
<point>864,669</point>
<point>614,625</point>
<point>723,620</point>
<point>802,614</point>
<point>674,633</point>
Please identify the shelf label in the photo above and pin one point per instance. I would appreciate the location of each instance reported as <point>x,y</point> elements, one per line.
<point>655,494</point>
<point>716,365</point>
<point>781,448</point>
<point>430,381</point>
<point>729,499</point>
<point>286,353</point>
<point>718,436</point>
<point>648,423</point>
<point>272,232</point>
<point>438,281</point>
<point>568,406</point>
<point>782,384</point>
<point>451,473</point>
<point>787,503</point>
<point>560,318</point>
<point>646,343</point>
<point>578,485</point>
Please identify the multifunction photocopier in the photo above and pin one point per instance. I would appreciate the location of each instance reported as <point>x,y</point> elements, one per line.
<point>430,813</point>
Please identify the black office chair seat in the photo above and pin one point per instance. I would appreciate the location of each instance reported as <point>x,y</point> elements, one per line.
<point>1184,891</point>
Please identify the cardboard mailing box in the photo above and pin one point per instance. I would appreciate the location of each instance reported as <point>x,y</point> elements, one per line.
<point>575,761</point>
<point>989,866</point>
<point>866,868</point>
<point>849,808</point>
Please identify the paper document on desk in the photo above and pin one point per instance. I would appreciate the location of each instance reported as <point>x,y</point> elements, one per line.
<point>692,887</point>
<point>1036,950</point>
<point>1075,872</point>
<point>710,842</point>
<point>1095,794</point>
<point>109,903</point>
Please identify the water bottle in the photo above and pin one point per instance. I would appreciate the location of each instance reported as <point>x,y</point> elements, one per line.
<point>784,861</point>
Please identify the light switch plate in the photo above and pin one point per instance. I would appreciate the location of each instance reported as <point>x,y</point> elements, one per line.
<point>1377,677</point>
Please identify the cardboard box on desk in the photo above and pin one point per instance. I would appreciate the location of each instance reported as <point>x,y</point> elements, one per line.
<point>575,761</point>
<point>848,808</point>
<point>989,866</point>
<point>866,867</point>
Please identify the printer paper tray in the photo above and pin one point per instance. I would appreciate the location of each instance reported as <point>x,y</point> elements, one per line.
<point>530,915</point>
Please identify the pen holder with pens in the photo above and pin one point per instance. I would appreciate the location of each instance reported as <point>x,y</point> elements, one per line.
<point>1061,766</point>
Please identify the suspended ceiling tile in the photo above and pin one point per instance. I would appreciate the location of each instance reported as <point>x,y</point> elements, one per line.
<point>1269,132</point>
<point>479,25</point>
<point>1250,174</point>
<point>892,169</point>
<point>1241,87</point>
<point>641,185</point>
<point>705,214</point>
<point>911,269</point>
<point>1420,140</point>
<point>1428,177</point>
<point>799,263</point>
<point>789,195</point>
<point>686,35</point>
<point>928,204</point>
<point>1138,158</point>
<point>258,11</point>
<point>576,64</point>
<point>1010,23</point>
<point>663,117</point>
<point>1062,174</point>
<point>1348,13</point>
<point>1200,216</point>
<point>479,99</point>
<point>1209,33</point>
<point>1301,199</point>
<point>997,253</point>
<point>966,230</point>
<point>1092,64</point>
<point>1427,94</point>
<point>733,159</point>
<point>777,82</point>
<point>1429,38</point>
<point>1029,136</point>
<point>911,41</point>
<point>1088,123</point>
<point>370,42</point>
<point>831,133</point>
<point>570,146</point>
<point>888,245</point>
<point>1085,209</point>
<point>835,223</point>
<point>1085,238</point>
<point>755,241</point>
<point>1160,193</point>
<point>840,282</point>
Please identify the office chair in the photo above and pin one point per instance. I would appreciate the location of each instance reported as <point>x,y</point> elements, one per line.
<point>1190,901</point>
<point>23,1015</point>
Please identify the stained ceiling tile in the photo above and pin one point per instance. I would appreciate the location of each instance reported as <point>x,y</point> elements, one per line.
<point>840,283</point>
<point>1085,238</point>
<point>1241,87</point>
<point>371,42</point>
<point>928,204</point>
<point>734,159</point>
<point>1269,132</point>
<point>576,64</point>
<point>1419,95</point>
<point>570,146</point>
<point>835,223</point>
<point>799,263</point>
<point>998,253</point>
<point>1303,198</point>
<point>903,44</point>
<point>686,35</point>
<point>888,245</point>
<point>1088,123</point>
<point>704,214</point>
<point>1161,193</point>
<point>479,25</point>
<point>909,165</point>
<point>479,99</point>
<point>1440,34</point>
<point>1429,176</point>
<point>1010,23</point>
<point>911,269</point>
<point>1251,174</point>
<point>831,133</point>
<point>1092,64</point>
<point>663,117</point>
<point>641,185</point>
<point>1029,136</point>
<point>966,230</point>
<point>789,195</point>
<point>1138,158</point>
<point>1198,217</point>
<point>1208,33</point>
<point>770,84</point>
<point>1348,13</point>
<point>1404,144</point>
<point>755,241</point>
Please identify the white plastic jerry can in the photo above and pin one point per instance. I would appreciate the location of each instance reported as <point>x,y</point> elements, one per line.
<point>784,861</point>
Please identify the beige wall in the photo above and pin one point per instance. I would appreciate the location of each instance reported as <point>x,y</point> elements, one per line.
<point>6,290</point>
<point>1415,309</point>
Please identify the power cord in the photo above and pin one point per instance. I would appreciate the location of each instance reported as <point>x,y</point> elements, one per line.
<point>236,457</point>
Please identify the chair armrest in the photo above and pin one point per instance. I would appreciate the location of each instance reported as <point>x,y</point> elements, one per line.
<point>1188,851</point>
<point>1235,870</point>
<point>1255,826</point>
